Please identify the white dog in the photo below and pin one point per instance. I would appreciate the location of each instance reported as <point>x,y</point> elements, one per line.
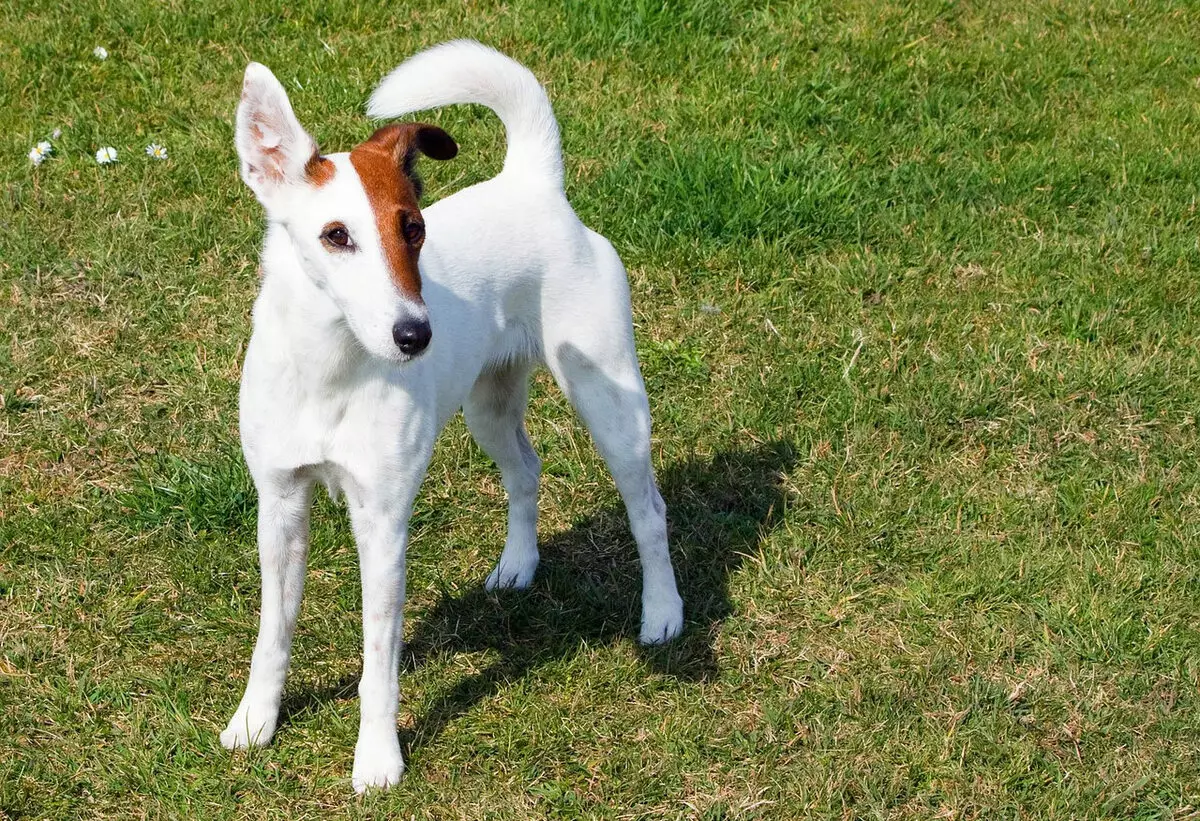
<point>358,359</point>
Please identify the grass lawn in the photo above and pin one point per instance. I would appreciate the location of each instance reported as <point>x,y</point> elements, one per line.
<point>917,304</point>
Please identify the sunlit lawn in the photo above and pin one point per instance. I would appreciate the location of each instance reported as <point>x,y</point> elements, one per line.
<point>917,301</point>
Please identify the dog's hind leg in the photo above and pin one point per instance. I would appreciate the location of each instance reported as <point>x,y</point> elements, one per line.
<point>589,349</point>
<point>283,513</point>
<point>495,413</point>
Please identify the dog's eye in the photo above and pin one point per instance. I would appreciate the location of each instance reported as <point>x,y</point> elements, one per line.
<point>337,236</point>
<point>414,232</point>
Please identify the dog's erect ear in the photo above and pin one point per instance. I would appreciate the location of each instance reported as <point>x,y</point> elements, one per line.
<point>273,147</point>
<point>406,140</point>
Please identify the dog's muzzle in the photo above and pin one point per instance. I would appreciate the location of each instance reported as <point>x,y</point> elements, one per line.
<point>412,335</point>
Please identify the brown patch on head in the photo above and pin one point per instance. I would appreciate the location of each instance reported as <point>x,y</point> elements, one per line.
<point>386,165</point>
<point>319,170</point>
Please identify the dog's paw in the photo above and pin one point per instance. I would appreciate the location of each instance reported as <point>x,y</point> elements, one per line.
<point>661,620</point>
<point>250,727</point>
<point>377,763</point>
<point>513,572</point>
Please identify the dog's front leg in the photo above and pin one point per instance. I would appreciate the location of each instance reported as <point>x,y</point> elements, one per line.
<point>381,530</point>
<point>283,514</point>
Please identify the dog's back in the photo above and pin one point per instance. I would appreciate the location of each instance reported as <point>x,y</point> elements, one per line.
<point>519,251</point>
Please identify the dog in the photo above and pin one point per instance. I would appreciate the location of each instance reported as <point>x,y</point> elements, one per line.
<point>377,321</point>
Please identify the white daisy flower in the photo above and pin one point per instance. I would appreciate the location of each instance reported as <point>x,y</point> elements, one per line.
<point>106,155</point>
<point>38,154</point>
<point>156,151</point>
<point>100,53</point>
<point>56,133</point>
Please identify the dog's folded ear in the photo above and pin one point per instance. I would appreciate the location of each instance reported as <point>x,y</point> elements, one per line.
<point>435,143</point>
<point>273,147</point>
<point>406,140</point>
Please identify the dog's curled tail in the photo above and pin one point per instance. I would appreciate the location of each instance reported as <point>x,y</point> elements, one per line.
<point>464,71</point>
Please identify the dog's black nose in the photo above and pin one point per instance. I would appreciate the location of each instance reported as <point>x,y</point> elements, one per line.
<point>412,335</point>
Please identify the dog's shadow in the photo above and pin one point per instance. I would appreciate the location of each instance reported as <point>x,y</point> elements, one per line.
<point>588,589</point>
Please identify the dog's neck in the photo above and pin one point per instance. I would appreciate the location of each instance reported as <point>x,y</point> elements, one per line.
<point>308,330</point>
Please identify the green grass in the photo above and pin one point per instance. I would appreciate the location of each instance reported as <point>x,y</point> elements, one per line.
<point>917,302</point>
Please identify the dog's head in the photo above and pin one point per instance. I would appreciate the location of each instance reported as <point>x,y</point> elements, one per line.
<point>352,218</point>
